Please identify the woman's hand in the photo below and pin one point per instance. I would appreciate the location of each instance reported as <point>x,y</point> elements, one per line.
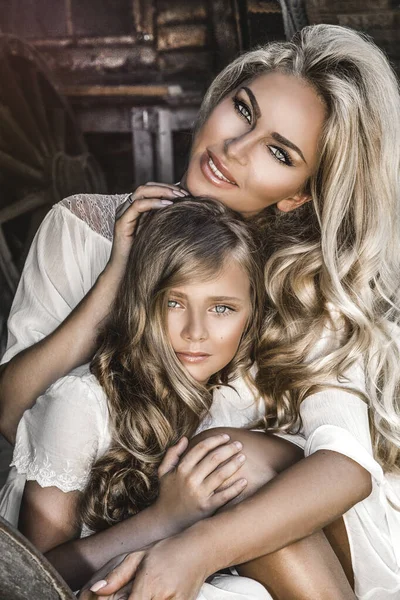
<point>169,570</point>
<point>204,480</point>
<point>146,197</point>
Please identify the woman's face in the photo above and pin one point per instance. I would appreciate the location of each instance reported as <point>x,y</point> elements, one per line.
<point>259,146</point>
<point>206,321</point>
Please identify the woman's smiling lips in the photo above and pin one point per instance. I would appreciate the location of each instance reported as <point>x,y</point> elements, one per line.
<point>192,357</point>
<point>214,170</point>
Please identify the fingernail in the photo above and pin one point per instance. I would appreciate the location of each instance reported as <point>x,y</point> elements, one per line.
<point>98,585</point>
<point>243,481</point>
<point>241,458</point>
<point>179,194</point>
<point>166,202</point>
<point>238,445</point>
<point>225,436</point>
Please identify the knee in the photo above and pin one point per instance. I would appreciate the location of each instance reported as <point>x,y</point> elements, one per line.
<point>266,455</point>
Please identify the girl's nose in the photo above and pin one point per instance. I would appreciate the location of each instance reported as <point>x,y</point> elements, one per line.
<point>195,329</point>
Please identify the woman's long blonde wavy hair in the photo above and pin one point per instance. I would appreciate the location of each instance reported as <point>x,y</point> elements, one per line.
<point>152,399</point>
<point>343,248</point>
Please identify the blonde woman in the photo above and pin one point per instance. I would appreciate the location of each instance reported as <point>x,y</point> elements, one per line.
<point>307,131</point>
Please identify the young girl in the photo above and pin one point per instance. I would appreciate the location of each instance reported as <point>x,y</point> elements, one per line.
<point>184,321</point>
<point>312,127</point>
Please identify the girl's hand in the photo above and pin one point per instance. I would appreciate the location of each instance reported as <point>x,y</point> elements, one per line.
<point>169,570</point>
<point>204,480</point>
<point>146,197</point>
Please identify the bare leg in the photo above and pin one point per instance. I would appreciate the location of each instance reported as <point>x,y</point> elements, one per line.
<point>310,569</point>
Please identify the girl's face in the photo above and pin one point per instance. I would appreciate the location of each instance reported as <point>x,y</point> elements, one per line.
<point>206,321</point>
<point>259,146</point>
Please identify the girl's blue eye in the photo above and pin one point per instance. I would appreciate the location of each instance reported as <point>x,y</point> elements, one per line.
<point>221,309</point>
<point>173,304</point>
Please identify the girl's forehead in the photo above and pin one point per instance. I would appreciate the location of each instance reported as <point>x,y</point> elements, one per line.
<point>230,280</point>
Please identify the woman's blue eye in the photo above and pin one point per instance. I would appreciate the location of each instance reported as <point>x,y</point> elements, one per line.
<point>278,153</point>
<point>242,109</point>
<point>281,155</point>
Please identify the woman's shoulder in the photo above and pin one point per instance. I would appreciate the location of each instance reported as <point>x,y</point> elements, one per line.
<point>97,211</point>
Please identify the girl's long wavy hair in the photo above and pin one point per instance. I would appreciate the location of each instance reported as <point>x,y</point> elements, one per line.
<point>153,401</point>
<point>341,249</point>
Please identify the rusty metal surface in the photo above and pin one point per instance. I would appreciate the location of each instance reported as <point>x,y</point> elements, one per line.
<point>25,574</point>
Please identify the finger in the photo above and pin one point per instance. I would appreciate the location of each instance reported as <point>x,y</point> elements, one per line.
<point>198,452</point>
<point>173,186</point>
<point>120,576</point>
<point>159,191</point>
<point>222,474</point>
<point>172,456</point>
<point>230,493</point>
<point>130,213</point>
<point>214,460</point>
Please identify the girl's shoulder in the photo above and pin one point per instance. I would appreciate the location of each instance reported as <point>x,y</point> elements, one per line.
<point>97,211</point>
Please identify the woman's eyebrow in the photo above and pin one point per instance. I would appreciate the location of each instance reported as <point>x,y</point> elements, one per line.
<point>282,140</point>
<point>253,102</point>
<point>277,136</point>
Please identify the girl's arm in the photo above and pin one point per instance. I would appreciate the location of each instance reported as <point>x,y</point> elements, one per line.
<point>48,515</point>
<point>65,259</point>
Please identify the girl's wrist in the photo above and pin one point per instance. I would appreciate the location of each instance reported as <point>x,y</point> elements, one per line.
<point>167,523</point>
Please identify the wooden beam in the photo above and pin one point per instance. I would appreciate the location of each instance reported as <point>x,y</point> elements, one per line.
<point>157,91</point>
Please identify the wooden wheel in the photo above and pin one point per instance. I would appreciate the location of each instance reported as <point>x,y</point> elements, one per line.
<point>25,574</point>
<point>43,155</point>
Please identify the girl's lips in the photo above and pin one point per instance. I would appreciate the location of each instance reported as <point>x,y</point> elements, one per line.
<point>210,175</point>
<point>192,357</point>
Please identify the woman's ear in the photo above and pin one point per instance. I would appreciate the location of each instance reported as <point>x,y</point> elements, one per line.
<point>293,202</point>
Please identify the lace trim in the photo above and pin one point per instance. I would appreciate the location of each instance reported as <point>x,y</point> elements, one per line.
<point>41,469</point>
<point>97,211</point>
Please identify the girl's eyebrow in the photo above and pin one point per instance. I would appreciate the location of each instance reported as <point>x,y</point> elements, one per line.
<point>225,299</point>
<point>211,298</point>
<point>277,136</point>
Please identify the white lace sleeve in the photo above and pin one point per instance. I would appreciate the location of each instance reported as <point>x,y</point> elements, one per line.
<point>59,439</point>
<point>64,261</point>
<point>97,211</point>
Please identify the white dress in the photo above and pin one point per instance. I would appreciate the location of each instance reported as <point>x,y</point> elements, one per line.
<point>55,445</point>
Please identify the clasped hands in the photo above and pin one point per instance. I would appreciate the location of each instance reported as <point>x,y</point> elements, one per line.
<point>194,484</point>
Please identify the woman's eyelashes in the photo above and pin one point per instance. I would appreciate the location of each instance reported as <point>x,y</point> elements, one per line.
<point>280,154</point>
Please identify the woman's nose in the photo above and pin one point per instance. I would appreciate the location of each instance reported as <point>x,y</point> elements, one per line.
<point>195,328</point>
<point>239,148</point>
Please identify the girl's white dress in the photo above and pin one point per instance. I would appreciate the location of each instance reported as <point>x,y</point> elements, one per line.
<point>67,430</point>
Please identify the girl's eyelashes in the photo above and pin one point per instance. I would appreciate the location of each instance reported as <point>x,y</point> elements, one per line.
<point>219,309</point>
<point>222,309</point>
<point>280,154</point>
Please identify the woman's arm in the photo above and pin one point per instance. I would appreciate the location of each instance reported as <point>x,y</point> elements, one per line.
<point>293,505</point>
<point>57,274</point>
<point>334,476</point>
